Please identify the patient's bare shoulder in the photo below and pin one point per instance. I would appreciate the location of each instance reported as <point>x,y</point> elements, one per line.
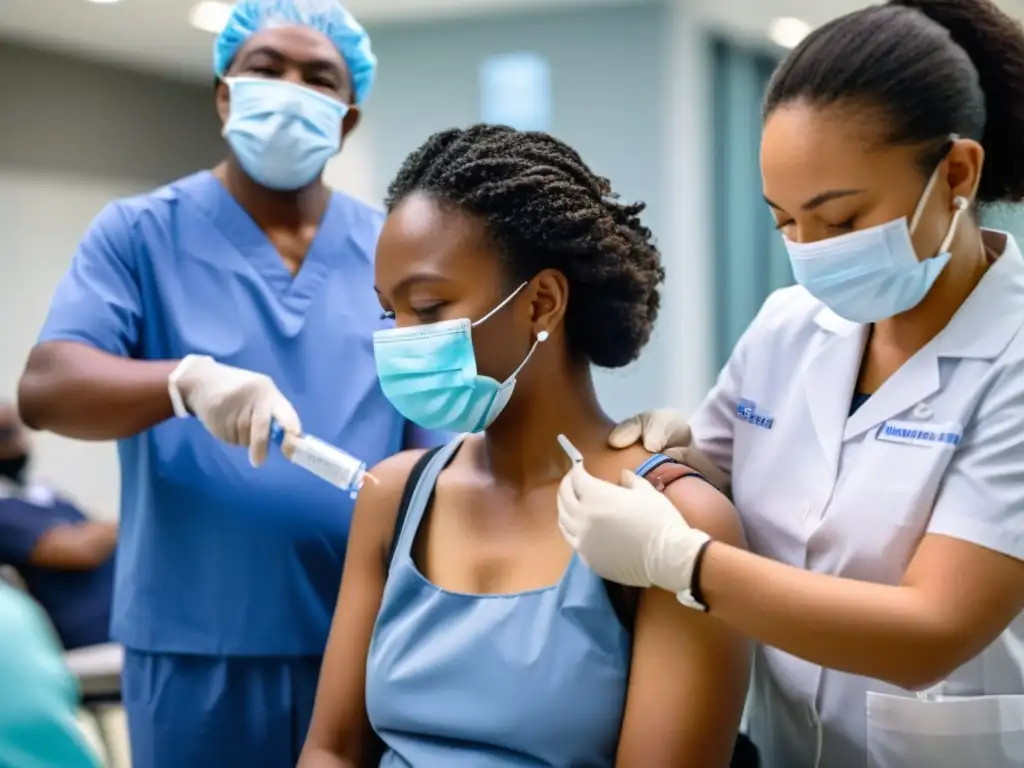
<point>704,506</point>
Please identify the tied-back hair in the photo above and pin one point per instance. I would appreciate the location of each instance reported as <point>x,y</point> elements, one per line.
<point>933,69</point>
<point>545,209</point>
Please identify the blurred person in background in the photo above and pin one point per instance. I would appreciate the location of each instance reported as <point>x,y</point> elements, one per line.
<point>65,559</point>
<point>202,299</point>
<point>872,416</point>
<point>38,695</point>
<point>467,635</point>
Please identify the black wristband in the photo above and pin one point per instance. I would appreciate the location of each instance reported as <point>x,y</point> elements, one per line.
<point>695,590</point>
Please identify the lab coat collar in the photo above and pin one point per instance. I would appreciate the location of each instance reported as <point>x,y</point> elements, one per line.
<point>996,305</point>
<point>981,329</point>
<point>994,312</point>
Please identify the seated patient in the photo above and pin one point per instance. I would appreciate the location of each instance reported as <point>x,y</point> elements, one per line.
<point>65,559</point>
<point>510,268</point>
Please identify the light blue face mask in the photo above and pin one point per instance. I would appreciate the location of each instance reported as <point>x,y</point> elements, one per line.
<point>429,374</point>
<point>282,134</point>
<point>872,274</point>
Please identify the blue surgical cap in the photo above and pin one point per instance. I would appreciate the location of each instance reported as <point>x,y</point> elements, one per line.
<point>325,16</point>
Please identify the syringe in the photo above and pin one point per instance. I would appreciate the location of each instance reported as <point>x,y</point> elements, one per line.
<point>337,467</point>
<point>570,450</point>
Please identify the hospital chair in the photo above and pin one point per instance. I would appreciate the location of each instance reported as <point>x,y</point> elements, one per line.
<point>98,671</point>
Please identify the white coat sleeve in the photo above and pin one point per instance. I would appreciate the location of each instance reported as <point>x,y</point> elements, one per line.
<point>713,422</point>
<point>981,498</point>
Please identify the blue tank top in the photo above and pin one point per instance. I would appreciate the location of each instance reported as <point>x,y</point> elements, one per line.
<point>534,678</point>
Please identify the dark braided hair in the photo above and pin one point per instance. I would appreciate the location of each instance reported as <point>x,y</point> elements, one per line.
<point>545,209</point>
<point>934,68</point>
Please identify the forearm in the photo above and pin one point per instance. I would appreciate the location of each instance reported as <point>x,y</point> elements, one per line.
<point>874,630</point>
<point>316,757</point>
<point>100,541</point>
<point>81,392</point>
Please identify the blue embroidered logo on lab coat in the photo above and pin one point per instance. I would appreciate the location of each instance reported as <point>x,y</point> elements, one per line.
<point>747,411</point>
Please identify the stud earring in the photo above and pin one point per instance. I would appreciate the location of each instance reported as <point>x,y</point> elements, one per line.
<point>542,336</point>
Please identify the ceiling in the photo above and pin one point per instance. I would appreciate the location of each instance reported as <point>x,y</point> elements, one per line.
<point>155,34</point>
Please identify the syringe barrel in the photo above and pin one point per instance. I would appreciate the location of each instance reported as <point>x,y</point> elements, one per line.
<point>329,463</point>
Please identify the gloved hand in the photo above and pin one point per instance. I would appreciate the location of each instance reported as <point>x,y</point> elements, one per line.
<point>236,405</point>
<point>630,534</point>
<point>666,431</point>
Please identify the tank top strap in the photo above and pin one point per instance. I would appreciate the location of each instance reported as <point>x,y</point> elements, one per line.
<point>422,494</point>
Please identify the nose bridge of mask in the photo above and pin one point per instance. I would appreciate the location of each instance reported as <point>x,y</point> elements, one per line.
<point>284,98</point>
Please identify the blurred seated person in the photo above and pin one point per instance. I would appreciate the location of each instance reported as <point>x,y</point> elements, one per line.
<point>38,694</point>
<point>65,559</point>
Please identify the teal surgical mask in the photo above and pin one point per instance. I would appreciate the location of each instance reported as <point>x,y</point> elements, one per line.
<point>429,373</point>
<point>281,133</point>
<point>873,274</point>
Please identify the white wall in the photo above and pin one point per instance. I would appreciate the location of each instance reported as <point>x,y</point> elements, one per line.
<point>43,218</point>
<point>354,171</point>
<point>686,239</point>
<point>73,136</point>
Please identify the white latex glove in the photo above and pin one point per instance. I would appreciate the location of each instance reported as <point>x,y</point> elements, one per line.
<point>666,431</point>
<point>630,534</point>
<point>236,405</point>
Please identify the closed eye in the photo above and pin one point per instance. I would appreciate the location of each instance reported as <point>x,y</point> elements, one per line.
<point>428,314</point>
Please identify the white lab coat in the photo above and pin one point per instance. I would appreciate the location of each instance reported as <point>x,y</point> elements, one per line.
<point>939,448</point>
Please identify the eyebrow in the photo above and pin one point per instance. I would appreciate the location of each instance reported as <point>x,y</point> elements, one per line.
<point>307,65</point>
<point>417,277</point>
<point>819,200</point>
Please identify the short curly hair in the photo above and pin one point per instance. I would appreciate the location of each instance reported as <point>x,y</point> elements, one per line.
<point>545,209</point>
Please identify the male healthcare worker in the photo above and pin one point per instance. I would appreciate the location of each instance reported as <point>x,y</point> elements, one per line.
<point>231,295</point>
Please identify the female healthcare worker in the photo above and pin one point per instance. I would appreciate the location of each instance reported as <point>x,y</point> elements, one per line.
<point>872,418</point>
<point>196,299</point>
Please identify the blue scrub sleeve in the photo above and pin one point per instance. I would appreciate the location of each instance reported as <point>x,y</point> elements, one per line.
<point>38,697</point>
<point>417,437</point>
<point>21,527</point>
<point>981,499</point>
<point>98,301</point>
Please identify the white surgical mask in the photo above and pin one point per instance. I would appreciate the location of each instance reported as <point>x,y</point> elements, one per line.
<point>873,274</point>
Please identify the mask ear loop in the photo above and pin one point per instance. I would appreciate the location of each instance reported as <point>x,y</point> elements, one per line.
<point>500,307</point>
<point>541,338</point>
<point>916,218</point>
<point>962,204</point>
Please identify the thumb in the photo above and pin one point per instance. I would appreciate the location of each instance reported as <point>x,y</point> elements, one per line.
<point>628,479</point>
<point>626,433</point>
<point>585,484</point>
<point>634,482</point>
<point>666,429</point>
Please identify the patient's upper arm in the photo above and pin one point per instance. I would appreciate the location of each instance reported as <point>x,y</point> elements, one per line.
<point>340,727</point>
<point>689,674</point>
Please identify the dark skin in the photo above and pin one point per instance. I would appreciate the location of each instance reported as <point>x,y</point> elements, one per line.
<point>493,526</point>
<point>65,547</point>
<point>956,597</point>
<point>84,393</point>
<point>305,57</point>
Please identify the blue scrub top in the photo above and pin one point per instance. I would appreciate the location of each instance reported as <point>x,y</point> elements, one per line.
<point>77,602</point>
<point>216,557</point>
